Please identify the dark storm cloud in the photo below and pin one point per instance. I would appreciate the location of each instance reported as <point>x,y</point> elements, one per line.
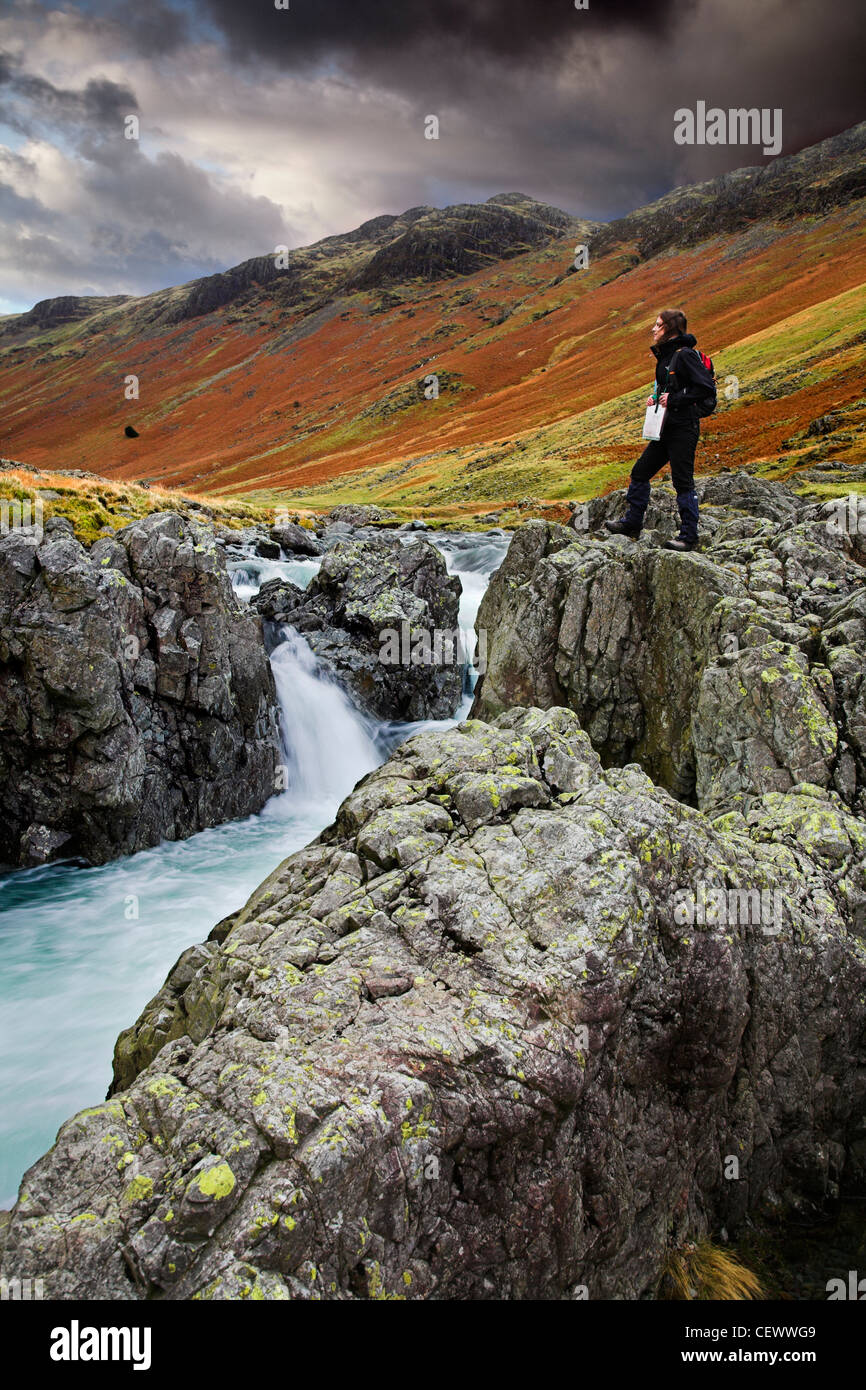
<point>807,58</point>
<point>513,30</point>
<point>154,27</point>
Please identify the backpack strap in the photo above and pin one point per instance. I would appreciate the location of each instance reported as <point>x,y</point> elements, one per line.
<point>671,372</point>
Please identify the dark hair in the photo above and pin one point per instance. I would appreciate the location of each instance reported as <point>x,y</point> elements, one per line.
<point>674,321</point>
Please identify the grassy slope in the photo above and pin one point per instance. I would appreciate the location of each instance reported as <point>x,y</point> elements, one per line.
<point>96,507</point>
<point>545,404</point>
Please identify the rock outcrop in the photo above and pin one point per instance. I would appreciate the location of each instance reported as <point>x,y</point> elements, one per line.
<point>812,182</point>
<point>372,615</point>
<point>512,1027</point>
<point>462,239</point>
<point>295,539</point>
<point>355,514</point>
<point>136,699</point>
<point>725,673</point>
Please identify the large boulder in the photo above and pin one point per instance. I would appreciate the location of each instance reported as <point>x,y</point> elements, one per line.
<point>512,1027</point>
<point>732,490</point>
<point>136,698</point>
<point>355,514</point>
<point>383,619</point>
<point>295,539</point>
<point>725,672</point>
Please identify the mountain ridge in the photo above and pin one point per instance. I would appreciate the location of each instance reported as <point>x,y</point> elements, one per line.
<point>650,221</point>
<point>517,229</point>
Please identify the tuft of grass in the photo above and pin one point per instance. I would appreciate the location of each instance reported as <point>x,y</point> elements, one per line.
<point>700,1271</point>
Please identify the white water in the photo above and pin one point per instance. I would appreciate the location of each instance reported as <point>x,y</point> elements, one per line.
<point>78,966</point>
<point>327,745</point>
<point>250,574</point>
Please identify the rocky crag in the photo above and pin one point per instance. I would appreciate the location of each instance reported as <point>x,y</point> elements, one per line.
<point>467,1045</point>
<point>725,672</point>
<point>517,1024</point>
<point>366,588</point>
<point>136,698</point>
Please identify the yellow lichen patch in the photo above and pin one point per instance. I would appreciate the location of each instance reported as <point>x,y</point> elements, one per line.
<point>140,1189</point>
<point>164,1086</point>
<point>217,1182</point>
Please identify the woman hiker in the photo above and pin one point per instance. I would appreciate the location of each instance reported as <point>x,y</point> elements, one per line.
<point>681,381</point>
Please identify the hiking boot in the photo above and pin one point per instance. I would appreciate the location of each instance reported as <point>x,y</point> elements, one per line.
<point>678,543</point>
<point>622,528</point>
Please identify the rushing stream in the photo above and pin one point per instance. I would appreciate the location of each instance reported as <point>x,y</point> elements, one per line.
<point>83,950</point>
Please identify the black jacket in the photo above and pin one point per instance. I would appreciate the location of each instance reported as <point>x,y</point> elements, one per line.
<point>690,381</point>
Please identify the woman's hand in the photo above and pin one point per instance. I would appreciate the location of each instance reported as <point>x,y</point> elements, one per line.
<point>650,400</point>
<point>663,400</point>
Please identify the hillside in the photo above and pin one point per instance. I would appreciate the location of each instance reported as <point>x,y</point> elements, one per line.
<point>309,381</point>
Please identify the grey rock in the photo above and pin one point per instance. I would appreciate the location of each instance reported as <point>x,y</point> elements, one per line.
<point>365,590</point>
<point>361,514</point>
<point>240,537</point>
<point>294,539</point>
<point>724,673</point>
<point>136,699</point>
<point>277,599</point>
<point>334,531</point>
<point>468,1045</point>
<point>825,424</point>
<point>39,845</point>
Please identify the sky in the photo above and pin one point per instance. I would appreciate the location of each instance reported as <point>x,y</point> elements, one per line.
<point>260,127</point>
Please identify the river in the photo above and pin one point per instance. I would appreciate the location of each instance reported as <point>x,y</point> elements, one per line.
<point>84,949</point>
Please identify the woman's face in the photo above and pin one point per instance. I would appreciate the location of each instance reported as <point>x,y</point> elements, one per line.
<point>658,330</point>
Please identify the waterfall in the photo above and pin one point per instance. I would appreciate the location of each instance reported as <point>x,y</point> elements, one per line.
<point>327,745</point>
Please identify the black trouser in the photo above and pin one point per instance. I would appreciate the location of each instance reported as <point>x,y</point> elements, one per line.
<point>677,447</point>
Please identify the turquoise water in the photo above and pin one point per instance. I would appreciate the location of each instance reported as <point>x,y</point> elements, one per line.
<point>77,969</point>
<point>83,950</point>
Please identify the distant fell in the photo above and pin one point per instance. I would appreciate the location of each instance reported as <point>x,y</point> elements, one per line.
<point>459,360</point>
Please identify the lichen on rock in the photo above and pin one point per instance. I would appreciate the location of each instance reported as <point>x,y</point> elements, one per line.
<point>725,672</point>
<point>467,1036</point>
